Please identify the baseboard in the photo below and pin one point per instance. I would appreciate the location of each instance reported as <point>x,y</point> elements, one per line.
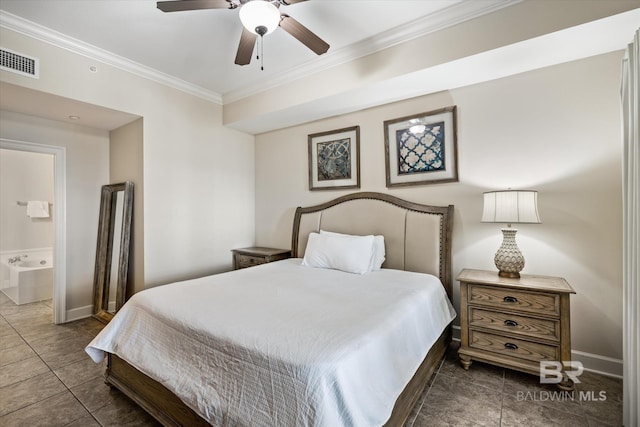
<point>599,364</point>
<point>590,362</point>
<point>79,313</point>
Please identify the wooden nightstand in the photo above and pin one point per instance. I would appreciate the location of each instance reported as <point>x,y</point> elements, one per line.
<point>248,257</point>
<point>514,323</point>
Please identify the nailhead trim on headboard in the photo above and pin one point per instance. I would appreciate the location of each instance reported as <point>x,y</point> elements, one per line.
<point>446,225</point>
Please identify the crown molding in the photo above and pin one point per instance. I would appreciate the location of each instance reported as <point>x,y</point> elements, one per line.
<point>458,13</point>
<point>452,15</point>
<point>47,35</point>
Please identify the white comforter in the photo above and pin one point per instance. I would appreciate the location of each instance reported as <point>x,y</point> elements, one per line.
<point>282,344</point>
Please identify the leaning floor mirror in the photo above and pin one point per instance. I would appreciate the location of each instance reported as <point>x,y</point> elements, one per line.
<point>112,250</point>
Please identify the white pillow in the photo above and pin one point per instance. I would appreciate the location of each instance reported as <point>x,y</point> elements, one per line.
<point>378,255</point>
<point>351,253</point>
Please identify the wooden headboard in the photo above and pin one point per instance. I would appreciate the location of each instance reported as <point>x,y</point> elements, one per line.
<point>417,237</point>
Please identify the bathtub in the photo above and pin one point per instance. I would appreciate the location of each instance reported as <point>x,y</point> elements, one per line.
<point>31,278</point>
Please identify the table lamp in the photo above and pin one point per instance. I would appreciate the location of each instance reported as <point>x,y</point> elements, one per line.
<point>510,207</point>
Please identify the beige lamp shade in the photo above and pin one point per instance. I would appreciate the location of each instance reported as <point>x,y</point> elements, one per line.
<point>511,207</point>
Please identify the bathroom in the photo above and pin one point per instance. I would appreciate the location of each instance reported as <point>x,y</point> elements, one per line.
<point>26,226</point>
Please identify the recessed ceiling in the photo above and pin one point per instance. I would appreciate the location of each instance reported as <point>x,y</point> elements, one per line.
<point>199,47</point>
<point>35,103</point>
<point>194,51</point>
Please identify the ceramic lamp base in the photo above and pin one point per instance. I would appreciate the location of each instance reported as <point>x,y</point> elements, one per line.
<point>508,274</point>
<point>509,259</point>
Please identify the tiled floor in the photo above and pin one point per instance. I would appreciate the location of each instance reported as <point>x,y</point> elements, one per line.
<point>486,395</point>
<point>46,379</point>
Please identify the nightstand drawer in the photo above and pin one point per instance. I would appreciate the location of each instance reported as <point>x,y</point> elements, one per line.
<point>257,255</point>
<point>510,299</point>
<point>513,324</point>
<point>513,347</point>
<point>249,261</point>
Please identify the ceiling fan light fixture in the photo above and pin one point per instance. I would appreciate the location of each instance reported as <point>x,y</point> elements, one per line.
<point>258,15</point>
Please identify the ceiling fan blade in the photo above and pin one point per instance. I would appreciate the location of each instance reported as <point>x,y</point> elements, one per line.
<point>180,5</point>
<point>288,2</point>
<point>245,48</point>
<point>304,35</point>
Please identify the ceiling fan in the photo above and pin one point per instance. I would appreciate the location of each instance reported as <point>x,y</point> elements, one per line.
<point>258,17</point>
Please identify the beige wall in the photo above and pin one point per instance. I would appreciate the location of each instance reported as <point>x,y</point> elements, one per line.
<point>24,176</point>
<point>198,175</point>
<point>126,164</point>
<point>362,81</point>
<point>87,159</point>
<point>556,130</point>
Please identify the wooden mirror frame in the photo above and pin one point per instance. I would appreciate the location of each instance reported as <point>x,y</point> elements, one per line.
<point>104,249</point>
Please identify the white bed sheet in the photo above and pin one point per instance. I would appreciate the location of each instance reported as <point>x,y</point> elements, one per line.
<point>282,344</point>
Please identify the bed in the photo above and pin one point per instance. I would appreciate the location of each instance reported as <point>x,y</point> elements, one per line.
<point>287,344</point>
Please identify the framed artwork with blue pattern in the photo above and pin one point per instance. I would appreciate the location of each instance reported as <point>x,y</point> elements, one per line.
<point>334,159</point>
<point>422,148</point>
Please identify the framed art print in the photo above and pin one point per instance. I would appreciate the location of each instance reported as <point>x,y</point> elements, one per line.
<point>334,159</point>
<point>421,149</point>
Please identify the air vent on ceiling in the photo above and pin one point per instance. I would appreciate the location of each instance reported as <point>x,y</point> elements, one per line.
<point>19,63</point>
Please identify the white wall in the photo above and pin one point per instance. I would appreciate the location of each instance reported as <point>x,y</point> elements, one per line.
<point>24,176</point>
<point>87,155</point>
<point>556,130</point>
<point>198,189</point>
<point>126,160</point>
<point>436,59</point>
<point>198,176</point>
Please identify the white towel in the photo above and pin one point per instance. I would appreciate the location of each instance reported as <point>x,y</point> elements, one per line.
<point>37,209</point>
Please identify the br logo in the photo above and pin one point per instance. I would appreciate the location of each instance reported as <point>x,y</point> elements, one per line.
<point>551,372</point>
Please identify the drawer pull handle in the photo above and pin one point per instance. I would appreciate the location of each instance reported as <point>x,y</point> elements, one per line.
<point>510,299</point>
<point>510,346</point>
<point>510,322</point>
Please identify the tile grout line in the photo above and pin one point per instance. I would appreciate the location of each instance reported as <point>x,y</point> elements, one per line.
<point>504,373</point>
<point>435,377</point>
<point>42,360</point>
<point>68,390</point>
<point>424,394</point>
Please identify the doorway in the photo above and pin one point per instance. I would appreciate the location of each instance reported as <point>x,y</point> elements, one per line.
<point>58,212</point>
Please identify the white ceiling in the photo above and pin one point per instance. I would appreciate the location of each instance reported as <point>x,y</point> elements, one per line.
<point>195,50</point>
<point>35,103</point>
<point>199,47</point>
